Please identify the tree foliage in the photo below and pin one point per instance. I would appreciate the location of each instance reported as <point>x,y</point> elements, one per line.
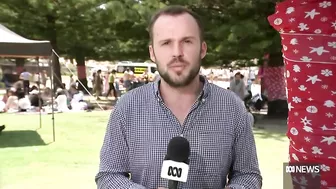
<point>236,30</point>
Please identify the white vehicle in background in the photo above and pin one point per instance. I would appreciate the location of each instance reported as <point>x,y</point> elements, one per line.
<point>138,68</point>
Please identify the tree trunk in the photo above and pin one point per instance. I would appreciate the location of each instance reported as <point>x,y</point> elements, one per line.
<point>19,65</point>
<point>53,40</point>
<point>81,71</point>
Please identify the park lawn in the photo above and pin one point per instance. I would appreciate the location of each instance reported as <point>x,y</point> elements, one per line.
<point>30,159</point>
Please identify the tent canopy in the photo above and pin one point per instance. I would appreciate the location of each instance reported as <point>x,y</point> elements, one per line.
<point>14,45</point>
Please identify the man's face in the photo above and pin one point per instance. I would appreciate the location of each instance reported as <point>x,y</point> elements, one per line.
<point>177,49</point>
<point>237,77</point>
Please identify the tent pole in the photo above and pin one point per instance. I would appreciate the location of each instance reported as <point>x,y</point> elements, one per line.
<point>53,56</point>
<point>39,89</point>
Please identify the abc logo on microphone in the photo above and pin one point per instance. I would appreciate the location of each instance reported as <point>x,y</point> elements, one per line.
<point>174,171</point>
<point>177,171</point>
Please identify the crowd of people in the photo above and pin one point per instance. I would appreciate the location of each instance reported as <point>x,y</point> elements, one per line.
<point>27,96</point>
<point>105,84</point>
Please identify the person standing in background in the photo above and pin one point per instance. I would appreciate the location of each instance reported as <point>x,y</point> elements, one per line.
<point>25,77</point>
<point>72,81</point>
<point>44,78</point>
<point>98,84</point>
<point>237,86</point>
<point>111,82</point>
<point>128,79</point>
<point>106,77</point>
<point>37,79</point>
<point>145,76</point>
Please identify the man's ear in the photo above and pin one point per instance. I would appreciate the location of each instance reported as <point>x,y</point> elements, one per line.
<point>204,49</point>
<point>151,53</point>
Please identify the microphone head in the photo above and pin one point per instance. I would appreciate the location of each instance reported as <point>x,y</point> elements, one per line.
<point>178,149</point>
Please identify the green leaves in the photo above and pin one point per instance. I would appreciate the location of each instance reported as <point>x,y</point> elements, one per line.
<point>117,29</point>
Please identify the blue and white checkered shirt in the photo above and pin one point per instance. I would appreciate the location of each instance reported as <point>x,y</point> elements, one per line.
<point>218,128</point>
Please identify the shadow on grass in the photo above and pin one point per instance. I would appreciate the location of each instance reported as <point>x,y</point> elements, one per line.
<point>274,128</point>
<point>11,139</point>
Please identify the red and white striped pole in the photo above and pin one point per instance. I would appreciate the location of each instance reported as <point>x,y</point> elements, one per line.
<point>308,33</point>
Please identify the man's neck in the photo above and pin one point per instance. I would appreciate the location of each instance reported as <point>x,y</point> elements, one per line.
<point>185,95</point>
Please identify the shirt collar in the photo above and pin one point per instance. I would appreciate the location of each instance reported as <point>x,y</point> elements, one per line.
<point>203,95</point>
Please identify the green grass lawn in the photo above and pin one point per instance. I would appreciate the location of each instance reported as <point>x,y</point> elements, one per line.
<point>31,160</point>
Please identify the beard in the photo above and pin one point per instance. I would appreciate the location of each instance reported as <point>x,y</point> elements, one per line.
<point>180,79</point>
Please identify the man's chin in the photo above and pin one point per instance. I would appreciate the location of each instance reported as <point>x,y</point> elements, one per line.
<point>178,81</point>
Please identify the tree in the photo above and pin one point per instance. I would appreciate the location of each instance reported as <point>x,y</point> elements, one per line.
<point>238,30</point>
<point>22,17</point>
<point>72,27</point>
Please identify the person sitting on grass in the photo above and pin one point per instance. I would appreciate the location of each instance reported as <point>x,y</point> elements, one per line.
<point>24,102</point>
<point>11,102</point>
<point>61,101</point>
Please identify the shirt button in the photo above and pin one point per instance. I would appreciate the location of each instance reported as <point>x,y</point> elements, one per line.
<point>203,100</point>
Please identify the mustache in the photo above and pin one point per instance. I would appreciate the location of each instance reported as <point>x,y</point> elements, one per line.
<point>177,60</point>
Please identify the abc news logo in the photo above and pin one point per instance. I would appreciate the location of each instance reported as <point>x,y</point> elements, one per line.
<point>308,169</point>
<point>174,171</point>
<point>177,171</point>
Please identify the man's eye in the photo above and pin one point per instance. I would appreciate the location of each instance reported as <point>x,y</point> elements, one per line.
<point>187,41</point>
<point>165,43</point>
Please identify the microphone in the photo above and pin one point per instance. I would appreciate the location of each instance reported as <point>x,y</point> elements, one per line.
<point>175,166</point>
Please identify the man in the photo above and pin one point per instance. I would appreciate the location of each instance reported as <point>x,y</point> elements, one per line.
<point>44,78</point>
<point>182,102</point>
<point>128,79</point>
<point>145,76</point>
<point>111,82</point>
<point>25,77</point>
<point>237,86</point>
<point>98,84</point>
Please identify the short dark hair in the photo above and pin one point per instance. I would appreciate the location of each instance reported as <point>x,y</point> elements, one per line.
<point>175,10</point>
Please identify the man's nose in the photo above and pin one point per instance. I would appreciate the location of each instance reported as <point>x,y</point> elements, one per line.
<point>178,50</point>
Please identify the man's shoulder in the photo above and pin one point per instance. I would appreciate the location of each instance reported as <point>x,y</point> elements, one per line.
<point>136,97</point>
<point>221,92</point>
<point>224,96</point>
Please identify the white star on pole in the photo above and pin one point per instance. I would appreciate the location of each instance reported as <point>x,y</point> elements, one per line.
<point>329,115</point>
<point>313,79</point>
<point>305,121</point>
<point>311,14</point>
<point>302,150</point>
<point>333,25</point>
<point>318,50</point>
<point>329,140</point>
<point>324,128</point>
